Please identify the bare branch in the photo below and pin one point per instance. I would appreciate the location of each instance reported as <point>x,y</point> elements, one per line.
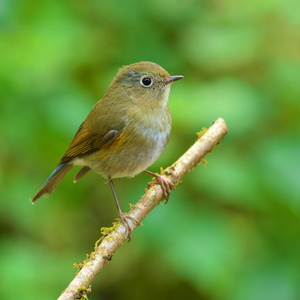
<point>80,285</point>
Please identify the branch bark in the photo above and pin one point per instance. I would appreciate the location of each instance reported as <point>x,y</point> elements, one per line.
<point>80,285</point>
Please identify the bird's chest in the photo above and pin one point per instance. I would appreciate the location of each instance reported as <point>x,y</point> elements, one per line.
<point>155,138</point>
<point>137,147</point>
<point>147,141</point>
<point>152,135</point>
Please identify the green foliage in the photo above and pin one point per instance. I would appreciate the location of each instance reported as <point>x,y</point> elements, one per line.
<point>230,230</point>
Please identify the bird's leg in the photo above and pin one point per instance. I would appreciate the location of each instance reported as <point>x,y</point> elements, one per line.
<point>121,215</point>
<point>166,185</point>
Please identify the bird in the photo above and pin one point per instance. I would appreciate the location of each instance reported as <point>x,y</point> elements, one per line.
<point>125,132</point>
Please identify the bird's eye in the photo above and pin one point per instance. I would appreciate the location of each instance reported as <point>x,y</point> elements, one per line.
<point>146,81</point>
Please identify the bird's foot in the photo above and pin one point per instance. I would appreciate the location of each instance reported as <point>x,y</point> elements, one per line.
<point>124,220</point>
<point>166,185</point>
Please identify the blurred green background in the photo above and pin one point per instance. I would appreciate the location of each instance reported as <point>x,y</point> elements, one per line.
<point>230,230</point>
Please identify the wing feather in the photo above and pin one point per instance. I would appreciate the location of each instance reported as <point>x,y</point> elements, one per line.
<point>84,142</point>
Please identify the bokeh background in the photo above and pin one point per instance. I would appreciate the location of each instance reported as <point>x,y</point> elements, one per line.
<point>231,230</point>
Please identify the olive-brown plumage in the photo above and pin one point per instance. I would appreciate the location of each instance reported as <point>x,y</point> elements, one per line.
<point>126,131</point>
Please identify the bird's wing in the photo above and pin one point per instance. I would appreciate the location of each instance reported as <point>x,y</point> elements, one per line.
<point>86,141</point>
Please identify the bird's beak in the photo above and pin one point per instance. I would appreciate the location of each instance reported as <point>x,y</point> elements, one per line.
<point>173,78</point>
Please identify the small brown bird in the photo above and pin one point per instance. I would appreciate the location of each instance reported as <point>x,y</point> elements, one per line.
<point>125,133</point>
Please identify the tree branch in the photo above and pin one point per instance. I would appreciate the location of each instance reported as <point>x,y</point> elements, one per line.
<point>80,285</point>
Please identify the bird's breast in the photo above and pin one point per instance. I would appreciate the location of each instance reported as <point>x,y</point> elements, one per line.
<point>138,146</point>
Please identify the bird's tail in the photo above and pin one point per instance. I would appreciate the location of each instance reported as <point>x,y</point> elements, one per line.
<point>49,186</point>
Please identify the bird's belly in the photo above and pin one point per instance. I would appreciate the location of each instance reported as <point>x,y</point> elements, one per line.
<point>134,156</point>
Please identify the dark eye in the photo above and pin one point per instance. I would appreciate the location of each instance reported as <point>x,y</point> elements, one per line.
<point>146,81</point>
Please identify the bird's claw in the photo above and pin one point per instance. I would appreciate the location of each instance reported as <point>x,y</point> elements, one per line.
<point>124,218</point>
<point>166,186</point>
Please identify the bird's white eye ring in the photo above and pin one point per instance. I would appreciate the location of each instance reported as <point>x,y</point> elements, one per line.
<point>146,81</point>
